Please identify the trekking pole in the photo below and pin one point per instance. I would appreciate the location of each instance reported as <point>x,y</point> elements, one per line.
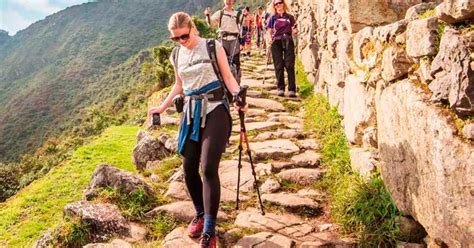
<point>241,101</point>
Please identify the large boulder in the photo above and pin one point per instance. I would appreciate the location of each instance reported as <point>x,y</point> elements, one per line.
<point>453,76</point>
<point>363,161</point>
<point>125,182</point>
<point>425,166</point>
<point>388,32</point>
<point>422,37</point>
<point>363,13</point>
<point>395,63</point>
<point>359,109</point>
<point>147,149</point>
<point>456,11</point>
<point>361,39</point>
<point>104,220</point>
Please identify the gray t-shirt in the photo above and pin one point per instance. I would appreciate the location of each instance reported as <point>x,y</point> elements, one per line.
<point>228,23</point>
<point>196,75</point>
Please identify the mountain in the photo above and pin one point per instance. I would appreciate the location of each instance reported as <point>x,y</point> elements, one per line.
<point>4,37</point>
<point>49,72</point>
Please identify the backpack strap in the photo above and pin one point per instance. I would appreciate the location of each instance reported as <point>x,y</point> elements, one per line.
<point>212,51</point>
<point>220,17</point>
<point>239,14</point>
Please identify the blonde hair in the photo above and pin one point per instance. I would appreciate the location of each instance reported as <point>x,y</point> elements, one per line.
<point>180,20</point>
<point>273,10</point>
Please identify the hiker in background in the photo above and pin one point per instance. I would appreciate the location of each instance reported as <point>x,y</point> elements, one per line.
<point>247,23</point>
<point>265,18</point>
<point>259,26</point>
<point>206,123</point>
<point>228,21</point>
<point>281,29</point>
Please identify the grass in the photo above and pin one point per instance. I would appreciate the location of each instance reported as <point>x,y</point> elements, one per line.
<point>39,206</point>
<point>134,205</point>
<point>161,224</point>
<point>305,87</point>
<point>428,13</point>
<point>358,206</point>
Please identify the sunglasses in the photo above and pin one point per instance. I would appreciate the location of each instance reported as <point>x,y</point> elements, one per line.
<point>279,3</point>
<point>183,37</point>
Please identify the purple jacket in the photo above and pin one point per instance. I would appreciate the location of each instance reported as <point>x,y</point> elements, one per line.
<point>281,25</point>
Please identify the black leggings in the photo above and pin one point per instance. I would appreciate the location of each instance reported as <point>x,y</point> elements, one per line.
<point>214,136</point>
<point>283,52</point>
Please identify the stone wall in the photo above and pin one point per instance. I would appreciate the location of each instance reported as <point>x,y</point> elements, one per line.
<point>401,74</point>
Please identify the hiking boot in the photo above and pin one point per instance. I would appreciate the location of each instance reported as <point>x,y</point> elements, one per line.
<point>291,94</point>
<point>281,93</point>
<point>208,241</point>
<point>196,226</point>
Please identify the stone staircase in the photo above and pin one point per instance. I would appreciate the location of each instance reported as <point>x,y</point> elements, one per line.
<point>286,161</point>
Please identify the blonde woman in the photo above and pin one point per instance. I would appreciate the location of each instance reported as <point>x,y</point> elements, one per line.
<point>206,122</point>
<point>281,30</point>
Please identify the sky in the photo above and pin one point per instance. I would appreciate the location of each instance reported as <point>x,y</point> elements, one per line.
<point>16,15</point>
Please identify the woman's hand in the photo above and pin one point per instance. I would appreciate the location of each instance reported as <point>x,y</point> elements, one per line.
<point>238,108</point>
<point>157,110</point>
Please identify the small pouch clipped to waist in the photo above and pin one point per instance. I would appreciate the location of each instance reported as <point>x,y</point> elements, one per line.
<point>179,103</point>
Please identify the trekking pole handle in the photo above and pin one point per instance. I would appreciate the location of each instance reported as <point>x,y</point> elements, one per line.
<point>241,97</point>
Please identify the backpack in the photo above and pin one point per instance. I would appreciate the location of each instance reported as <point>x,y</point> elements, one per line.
<point>212,52</point>
<point>239,14</point>
<point>273,19</point>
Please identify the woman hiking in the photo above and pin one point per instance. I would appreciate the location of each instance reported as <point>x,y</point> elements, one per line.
<point>281,29</point>
<point>206,122</point>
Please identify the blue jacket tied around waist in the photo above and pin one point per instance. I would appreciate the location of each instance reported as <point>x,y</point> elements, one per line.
<point>200,98</point>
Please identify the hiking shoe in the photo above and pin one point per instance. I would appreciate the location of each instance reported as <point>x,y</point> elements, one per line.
<point>208,241</point>
<point>196,226</point>
<point>281,93</point>
<point>291,94</point>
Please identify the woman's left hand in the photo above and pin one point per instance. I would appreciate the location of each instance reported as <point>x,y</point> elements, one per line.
<point>244,109</point>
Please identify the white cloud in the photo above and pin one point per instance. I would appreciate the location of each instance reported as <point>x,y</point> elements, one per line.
<point>41,6</point>
<point>12,21</point>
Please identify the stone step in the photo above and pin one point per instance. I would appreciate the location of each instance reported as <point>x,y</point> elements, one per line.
<point>266,104</point>
<point>258,84</point>
<point>265,239</point>
<point>285,224</point>
<point>308,144</point>
<point>287,119</point>
<point>257,126</point>
<point>252,112</point>
<point>178,190</point>
<point>228,175</point>
<point>182,210</point>
<point>307,159</point>
<point>278,134</point>
<point>290,200</point>
<point>273,149</point>
<point>301,176</point>
<point>179,238</point>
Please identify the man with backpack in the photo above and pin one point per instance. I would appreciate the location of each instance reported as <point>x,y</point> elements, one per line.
<point>229,22</point>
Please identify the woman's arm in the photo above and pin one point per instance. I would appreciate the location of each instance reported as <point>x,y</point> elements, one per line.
<point>177,89</point>
<point>229,80</point>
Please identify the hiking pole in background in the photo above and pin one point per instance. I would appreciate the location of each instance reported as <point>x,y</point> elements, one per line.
<point>266,68</point>
<point>240,101</point>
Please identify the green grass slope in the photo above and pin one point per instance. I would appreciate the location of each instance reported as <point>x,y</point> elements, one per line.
<point>27,215</point>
